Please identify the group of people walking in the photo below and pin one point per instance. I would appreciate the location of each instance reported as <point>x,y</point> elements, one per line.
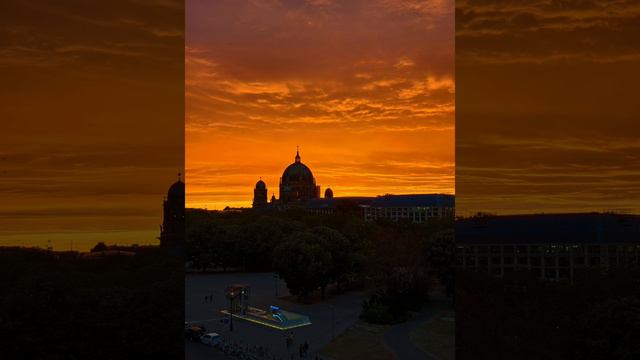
<point>303,349</point>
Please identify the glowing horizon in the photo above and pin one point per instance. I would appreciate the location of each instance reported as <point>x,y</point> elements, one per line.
<point>273,181</point>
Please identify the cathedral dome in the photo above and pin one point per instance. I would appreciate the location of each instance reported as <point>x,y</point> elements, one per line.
<point>261,185</point>
<point>297,183</point>
<point>297,172</point>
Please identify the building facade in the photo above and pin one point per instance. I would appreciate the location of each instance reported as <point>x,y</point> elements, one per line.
<point>416,208</point>
<point>552,247</point>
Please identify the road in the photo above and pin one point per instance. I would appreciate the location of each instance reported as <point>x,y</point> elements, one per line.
<point>397,338</point>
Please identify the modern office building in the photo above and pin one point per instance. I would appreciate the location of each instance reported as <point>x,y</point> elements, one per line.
<point>552,246</point>
<point>417,208</point>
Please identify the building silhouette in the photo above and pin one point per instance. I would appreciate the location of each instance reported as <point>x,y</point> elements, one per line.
<point>297,186</point>
<point>260,195</point>
<point>297,183</point>
<point>173,225</point>
<point>298,189</point>
<point>328,194</point>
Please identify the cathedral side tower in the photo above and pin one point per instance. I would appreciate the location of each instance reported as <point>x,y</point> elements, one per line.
<point>172,230</point>
<point>260,195</point>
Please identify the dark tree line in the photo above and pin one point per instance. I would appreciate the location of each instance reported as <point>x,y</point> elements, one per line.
<point>312,252</point>
<point>62,306</point>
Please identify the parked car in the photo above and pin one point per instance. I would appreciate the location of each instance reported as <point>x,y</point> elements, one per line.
<point>210,339</point>
<point>193,332</point>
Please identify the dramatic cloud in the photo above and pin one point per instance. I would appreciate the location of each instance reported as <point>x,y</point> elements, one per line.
<point>546,108</point>
<point>366,88</point>
<point>539,31</point>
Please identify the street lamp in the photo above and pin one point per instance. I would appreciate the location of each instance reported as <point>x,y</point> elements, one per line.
<point>275,282</point>
<point>231,295</point>
<point>333,311</point>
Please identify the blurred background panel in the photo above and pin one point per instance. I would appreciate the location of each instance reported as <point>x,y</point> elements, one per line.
<point>91,139</point>
<point>547,173</point>
<point>92,120</point>
<point>546,106</point>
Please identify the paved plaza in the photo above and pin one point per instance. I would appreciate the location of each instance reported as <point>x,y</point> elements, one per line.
<point>328,318</point>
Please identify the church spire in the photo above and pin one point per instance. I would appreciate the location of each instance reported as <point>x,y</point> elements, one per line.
<point>297,154</point>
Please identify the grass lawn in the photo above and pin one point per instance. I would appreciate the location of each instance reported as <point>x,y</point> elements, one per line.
<point>437,336</point>
<point>362,341</point>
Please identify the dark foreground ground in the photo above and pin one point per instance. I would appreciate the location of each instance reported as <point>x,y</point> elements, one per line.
<point>336,331</point>
<point>521,317</point>
<point>61,306</point>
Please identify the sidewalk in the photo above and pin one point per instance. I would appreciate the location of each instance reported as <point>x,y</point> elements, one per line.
<point>397,338</point>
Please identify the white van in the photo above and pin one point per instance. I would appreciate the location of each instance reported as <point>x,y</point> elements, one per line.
<point>210,339</point>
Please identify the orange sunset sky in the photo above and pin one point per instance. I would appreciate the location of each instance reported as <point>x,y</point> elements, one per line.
<point>365,88</point>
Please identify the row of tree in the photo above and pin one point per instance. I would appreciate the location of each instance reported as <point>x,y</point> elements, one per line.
<point>311,252</point>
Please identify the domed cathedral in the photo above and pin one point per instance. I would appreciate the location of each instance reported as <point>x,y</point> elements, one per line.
<point>172,229</point>
<point>297,183</point>
<point>260,194</point>
<point>297,186</point>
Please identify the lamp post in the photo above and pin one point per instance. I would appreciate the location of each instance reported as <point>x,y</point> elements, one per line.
<point>333,311</point>
<point>275,282</point>
<point>231,295</point>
